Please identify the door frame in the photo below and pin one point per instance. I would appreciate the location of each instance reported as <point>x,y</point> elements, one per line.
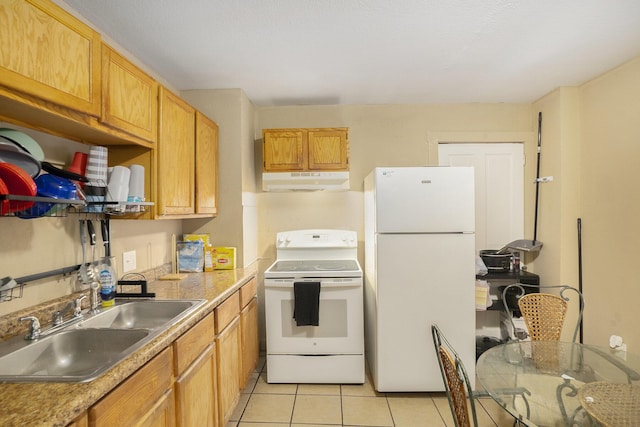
<point>529,141</point>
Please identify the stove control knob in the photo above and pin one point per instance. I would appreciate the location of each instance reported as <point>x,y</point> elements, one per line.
<point>283,241</point>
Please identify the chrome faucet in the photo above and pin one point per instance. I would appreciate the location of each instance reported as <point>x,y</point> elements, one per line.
<point>58,321</point>
<point>58,316</point>
<point>94,299</point>
<point>34,330</point>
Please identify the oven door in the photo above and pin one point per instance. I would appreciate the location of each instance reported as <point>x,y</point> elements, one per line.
<point>340,326</point>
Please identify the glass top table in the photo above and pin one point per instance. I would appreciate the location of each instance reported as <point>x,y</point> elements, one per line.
<point>538,382</point>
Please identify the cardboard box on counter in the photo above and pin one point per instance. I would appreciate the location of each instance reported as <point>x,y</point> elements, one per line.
<point>204,238</point>
<point>224,258</point>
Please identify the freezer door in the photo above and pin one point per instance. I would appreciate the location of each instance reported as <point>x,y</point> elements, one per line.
<point>421,280</point>
<point>424,199</point>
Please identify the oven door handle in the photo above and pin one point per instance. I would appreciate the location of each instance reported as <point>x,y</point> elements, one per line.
<point>323,284</point>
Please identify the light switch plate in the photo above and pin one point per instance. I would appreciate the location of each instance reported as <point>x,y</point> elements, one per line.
<point>128,261</point>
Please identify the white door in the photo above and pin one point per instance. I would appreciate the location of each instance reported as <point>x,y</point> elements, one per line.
<point>499,172</point>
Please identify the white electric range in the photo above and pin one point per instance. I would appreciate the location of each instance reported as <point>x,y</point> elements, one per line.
<point>314,309</point>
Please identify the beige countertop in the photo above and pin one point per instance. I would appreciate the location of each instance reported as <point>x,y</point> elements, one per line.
<point>57,404</point>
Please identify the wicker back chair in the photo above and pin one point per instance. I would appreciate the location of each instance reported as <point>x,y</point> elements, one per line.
<point>543,313</point>
<point>611,404</point>
<point>456,381</point>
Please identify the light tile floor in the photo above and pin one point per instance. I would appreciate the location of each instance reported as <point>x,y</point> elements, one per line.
<point>316,405</point>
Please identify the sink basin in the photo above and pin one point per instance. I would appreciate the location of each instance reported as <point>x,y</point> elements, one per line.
<point>141,314</point>
<point>84,350</point>
<point>72,355</point>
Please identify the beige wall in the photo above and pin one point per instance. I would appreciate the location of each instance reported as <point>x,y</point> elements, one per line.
<point>610,203</point>
<point>233,112</point>
<point>557,263</point>
<point>590,146</point>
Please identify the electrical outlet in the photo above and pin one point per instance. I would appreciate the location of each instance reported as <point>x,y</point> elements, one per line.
<point>128,261</point>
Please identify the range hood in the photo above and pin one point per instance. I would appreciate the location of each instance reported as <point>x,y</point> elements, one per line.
<point>305,181</point>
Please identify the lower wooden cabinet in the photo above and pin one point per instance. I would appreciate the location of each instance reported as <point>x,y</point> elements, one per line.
<point>249,335</point>
<point>162,414</point>
<point>196,392</point>
<point>135,401</point>
<point>195,370</point>
<point>196,381</point>
<point>81,421</point>
<point>228,358</point>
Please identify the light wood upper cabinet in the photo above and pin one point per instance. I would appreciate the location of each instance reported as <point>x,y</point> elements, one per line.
<point>206,165</point>
<point>305,149</point>
<point>129,96</point>
<point>176,156</point>
<point>284,150</point>
<point>47,53</point>
<point>328,149</point>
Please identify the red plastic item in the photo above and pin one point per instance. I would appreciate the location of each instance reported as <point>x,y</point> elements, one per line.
<point>18,183</point>
<point>4,205</point>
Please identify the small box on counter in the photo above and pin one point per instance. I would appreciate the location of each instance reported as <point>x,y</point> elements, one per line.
<point>190,256</point>
<point>224,258</point>
<point>204,238</point>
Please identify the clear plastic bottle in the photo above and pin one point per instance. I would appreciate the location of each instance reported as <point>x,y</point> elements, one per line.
<point>108,279</point>
<point>208,258</point>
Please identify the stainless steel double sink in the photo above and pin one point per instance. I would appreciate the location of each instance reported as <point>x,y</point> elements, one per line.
<point>87,348</point>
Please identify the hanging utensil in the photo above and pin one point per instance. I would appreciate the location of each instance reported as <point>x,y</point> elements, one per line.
<point>92,241</point>
<point>104,227</point>
<point>85,274</point>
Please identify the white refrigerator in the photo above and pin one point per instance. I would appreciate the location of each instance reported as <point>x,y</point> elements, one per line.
<point>419,270</point>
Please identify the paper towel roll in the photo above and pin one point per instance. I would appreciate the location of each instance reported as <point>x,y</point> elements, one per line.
<point>136,183</point>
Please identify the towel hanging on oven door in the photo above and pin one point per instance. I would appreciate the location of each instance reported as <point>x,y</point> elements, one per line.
<point>306,303</point>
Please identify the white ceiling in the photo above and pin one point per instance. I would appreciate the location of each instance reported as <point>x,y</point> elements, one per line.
<point>317,52</point>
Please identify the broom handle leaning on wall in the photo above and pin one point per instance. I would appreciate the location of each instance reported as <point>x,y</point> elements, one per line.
<point>580,271</point>
<point>535,215</point>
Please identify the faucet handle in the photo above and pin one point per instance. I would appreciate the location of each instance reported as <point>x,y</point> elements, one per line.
<point>77,309</point>
<point>34,331</point>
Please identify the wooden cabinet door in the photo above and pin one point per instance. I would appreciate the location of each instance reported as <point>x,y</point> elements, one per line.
<point>129,96</point>
<point>249,334</point>
<point>196,392</point>
<point>284,150</point>
<point>162,414</point>
<point>228,370</point>
<point>206,165</point>
<point>134,399</point>
<point>328,149</point>
<point>176,156</point>
<point>81,421</point>
<point>49,54</point>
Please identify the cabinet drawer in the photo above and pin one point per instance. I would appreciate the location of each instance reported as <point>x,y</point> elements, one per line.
<point>227,311</point>
<point>132,399</point>
<point>247,292</point>
<point>192,343</point>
